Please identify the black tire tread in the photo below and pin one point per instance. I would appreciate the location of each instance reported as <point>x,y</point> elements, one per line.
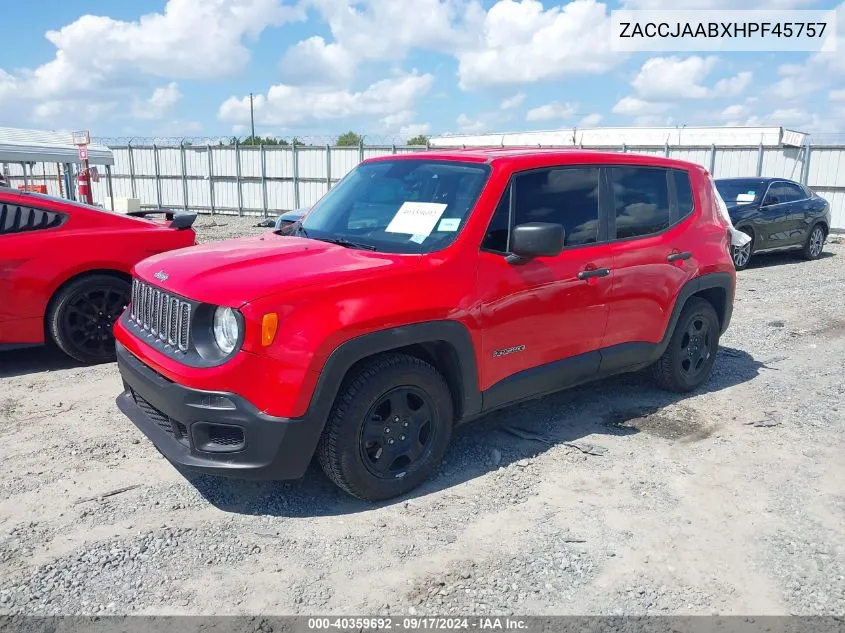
<point>328,448</point>
<point>58,303</point>
<point>663,371</point>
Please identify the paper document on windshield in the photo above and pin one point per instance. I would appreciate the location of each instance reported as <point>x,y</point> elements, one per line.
<point>745,197</point>
<point>416,218</point>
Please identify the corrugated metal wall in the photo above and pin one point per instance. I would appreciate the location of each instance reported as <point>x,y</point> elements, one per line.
<point>268,180</point>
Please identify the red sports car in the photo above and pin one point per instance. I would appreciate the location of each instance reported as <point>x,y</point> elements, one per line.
<point>64,269</point>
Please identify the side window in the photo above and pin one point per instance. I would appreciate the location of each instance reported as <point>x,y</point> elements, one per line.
<point>641,200</point>
<point>683,193</point>
<point>19,219</point>
<point>787,192</point>
<point>496,238</point>
<point>566,195</point>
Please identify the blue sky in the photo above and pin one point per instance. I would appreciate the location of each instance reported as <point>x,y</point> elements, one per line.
<point>388,68</point>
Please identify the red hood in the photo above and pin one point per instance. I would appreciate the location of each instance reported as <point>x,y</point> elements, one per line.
<point>234,272</point>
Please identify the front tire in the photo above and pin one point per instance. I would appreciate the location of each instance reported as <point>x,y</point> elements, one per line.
<point>82,314</point>
<point>815,243</point>
<point>389,428</point>
<point>688,360</point>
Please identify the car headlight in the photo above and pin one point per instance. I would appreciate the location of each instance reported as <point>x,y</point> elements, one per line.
<point>226,329</point>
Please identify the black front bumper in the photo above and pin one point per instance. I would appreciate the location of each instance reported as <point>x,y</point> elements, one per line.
<point>217,433</point>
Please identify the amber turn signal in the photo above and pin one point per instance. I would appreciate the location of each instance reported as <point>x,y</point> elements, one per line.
<point>269,324</point>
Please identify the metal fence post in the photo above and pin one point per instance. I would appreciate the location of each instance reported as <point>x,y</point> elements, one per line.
<point>210,180</point>
<point>132,169</point>
<point>295,156</point>
<point>666,149</point>
<point>158,178</point>
<point>361,150</point>
<point>760,160</point>
<point>712,160</point>
<point>394,148</point>
<point>328,167</point>
<point>264,179</point>
<point>238,177</point>
<point>111,191</point>
<point>184,174</point>
<point>805,172</point>
<point>624,148</point>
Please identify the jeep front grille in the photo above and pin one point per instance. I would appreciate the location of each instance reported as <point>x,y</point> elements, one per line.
<point>162,315</point>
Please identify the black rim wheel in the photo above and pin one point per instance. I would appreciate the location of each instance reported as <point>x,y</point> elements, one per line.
<point>89,316</point>
<point>695,347</point>
<point>398,432</point>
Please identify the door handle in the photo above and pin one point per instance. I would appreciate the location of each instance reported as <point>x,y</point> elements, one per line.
<point>596,272</point>
<point>674,257</point>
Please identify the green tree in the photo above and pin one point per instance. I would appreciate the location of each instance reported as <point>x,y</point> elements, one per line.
<point>348,139</point>
<point>419,139</point>
<point>259,140</point>
<point>297,141</point>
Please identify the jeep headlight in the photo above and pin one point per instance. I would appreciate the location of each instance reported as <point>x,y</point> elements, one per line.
<point>226,328</point>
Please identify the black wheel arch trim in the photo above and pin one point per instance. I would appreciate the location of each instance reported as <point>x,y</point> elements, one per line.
<point>472,402</point>
<point>710,281</point>
<point>345,356</point>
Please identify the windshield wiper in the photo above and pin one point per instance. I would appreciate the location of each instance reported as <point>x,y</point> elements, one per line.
<point>346,243</point>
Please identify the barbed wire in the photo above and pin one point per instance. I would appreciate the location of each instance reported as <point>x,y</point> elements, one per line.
<point>305,141</point>
<point>369,140</point>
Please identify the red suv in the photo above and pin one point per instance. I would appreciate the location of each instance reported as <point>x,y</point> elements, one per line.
<point>420,292</point>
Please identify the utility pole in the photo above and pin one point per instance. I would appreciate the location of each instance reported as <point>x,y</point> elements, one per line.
<point>252,118</point>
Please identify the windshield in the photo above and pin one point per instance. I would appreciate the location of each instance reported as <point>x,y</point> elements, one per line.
<point>398,206</point>
<point>741,190</point>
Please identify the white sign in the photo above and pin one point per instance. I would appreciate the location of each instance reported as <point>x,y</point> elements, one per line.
<point>416,218</point>
<point>83,152</point>
<point>745,197</point>
<point>81,138</point>
<point>449,224</point>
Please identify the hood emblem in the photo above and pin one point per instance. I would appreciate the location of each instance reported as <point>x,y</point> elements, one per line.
<point>161,275</point>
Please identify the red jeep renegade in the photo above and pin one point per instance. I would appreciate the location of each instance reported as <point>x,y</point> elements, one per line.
<point>422,291</point>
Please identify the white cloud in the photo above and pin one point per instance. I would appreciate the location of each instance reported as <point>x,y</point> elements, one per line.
<point>470,126</point>
<point>591,120</point>
<point>368,30</point>
<point>521,42</point>
<point>513,102</point>
<point>286,105</point>
<point>676,78</point>
<point>194,39</point>
<point>632,106</point>
<point>8,85</point>
<point>549,111</point>
<point>836,95</point>
<point>735,111</point>
<point>159,104</point>
<point>717,4</point>
<point>313,61</point>
<point>414,129</point>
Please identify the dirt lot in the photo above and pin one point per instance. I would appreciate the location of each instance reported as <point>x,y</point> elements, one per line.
<point>610,499</point>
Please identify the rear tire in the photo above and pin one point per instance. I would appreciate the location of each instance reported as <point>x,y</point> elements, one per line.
<point>814,245</point>
<point>81,317</point>
<point>688,360</point>
<point>389,428</point>
<point>741,255</point>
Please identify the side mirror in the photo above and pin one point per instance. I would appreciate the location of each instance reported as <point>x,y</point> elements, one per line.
<point>536,239</point>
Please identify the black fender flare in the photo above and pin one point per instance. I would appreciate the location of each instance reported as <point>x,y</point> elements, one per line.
<point>346,355</point>
<point>710,281</point>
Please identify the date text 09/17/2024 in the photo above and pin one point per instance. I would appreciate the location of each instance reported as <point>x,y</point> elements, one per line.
<point>387,623</point>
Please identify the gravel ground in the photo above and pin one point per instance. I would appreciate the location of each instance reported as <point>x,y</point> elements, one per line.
<point>613,498</point>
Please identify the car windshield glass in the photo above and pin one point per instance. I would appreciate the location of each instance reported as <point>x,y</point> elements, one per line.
<point>398,206</point>
<point>740,191</point>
